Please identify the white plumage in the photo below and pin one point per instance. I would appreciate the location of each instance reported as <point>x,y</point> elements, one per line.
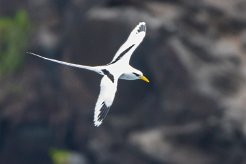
<point>118,68</point>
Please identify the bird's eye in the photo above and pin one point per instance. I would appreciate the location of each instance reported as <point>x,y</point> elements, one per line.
<point>136,74</point>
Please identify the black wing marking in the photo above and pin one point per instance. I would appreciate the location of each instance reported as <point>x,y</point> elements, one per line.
<point>103,112</point>
<point>108,74</point>
<point>122,54</point>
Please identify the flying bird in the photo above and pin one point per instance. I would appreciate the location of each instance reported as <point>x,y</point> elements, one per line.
<point>118,68</point>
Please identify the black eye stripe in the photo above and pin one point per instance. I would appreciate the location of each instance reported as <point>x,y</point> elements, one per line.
<point>136,74</point>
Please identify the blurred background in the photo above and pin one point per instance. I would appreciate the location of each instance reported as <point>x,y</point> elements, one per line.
<point>192,112</point>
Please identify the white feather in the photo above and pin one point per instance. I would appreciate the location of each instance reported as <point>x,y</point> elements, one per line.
<point>95,69</point>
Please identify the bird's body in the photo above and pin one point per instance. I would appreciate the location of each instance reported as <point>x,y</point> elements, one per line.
<point>118,68</point>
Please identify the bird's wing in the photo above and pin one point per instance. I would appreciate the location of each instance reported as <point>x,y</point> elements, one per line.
<point>105,99</point>
<point>135,38</point>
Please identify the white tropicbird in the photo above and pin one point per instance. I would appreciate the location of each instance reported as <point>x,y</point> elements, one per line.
<point>118,68</point>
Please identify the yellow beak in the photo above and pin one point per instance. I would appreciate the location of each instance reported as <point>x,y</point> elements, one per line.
<point>144,79</point>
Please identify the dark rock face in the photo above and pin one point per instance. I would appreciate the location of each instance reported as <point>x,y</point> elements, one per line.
<point>193,111</point>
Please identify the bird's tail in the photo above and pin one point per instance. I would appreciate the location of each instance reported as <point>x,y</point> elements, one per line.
<point>91,68</point>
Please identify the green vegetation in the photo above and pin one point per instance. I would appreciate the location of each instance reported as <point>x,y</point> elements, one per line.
<point>14,33</point>
<point>60,156</point>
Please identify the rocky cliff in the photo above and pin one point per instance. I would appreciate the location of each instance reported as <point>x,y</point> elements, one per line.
<point>193,111</point>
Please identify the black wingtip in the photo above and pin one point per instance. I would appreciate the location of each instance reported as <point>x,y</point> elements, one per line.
<point>142,27</point>
<point>103,113</point>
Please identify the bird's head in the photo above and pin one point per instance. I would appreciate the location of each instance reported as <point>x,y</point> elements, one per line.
<point>139,75</point>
